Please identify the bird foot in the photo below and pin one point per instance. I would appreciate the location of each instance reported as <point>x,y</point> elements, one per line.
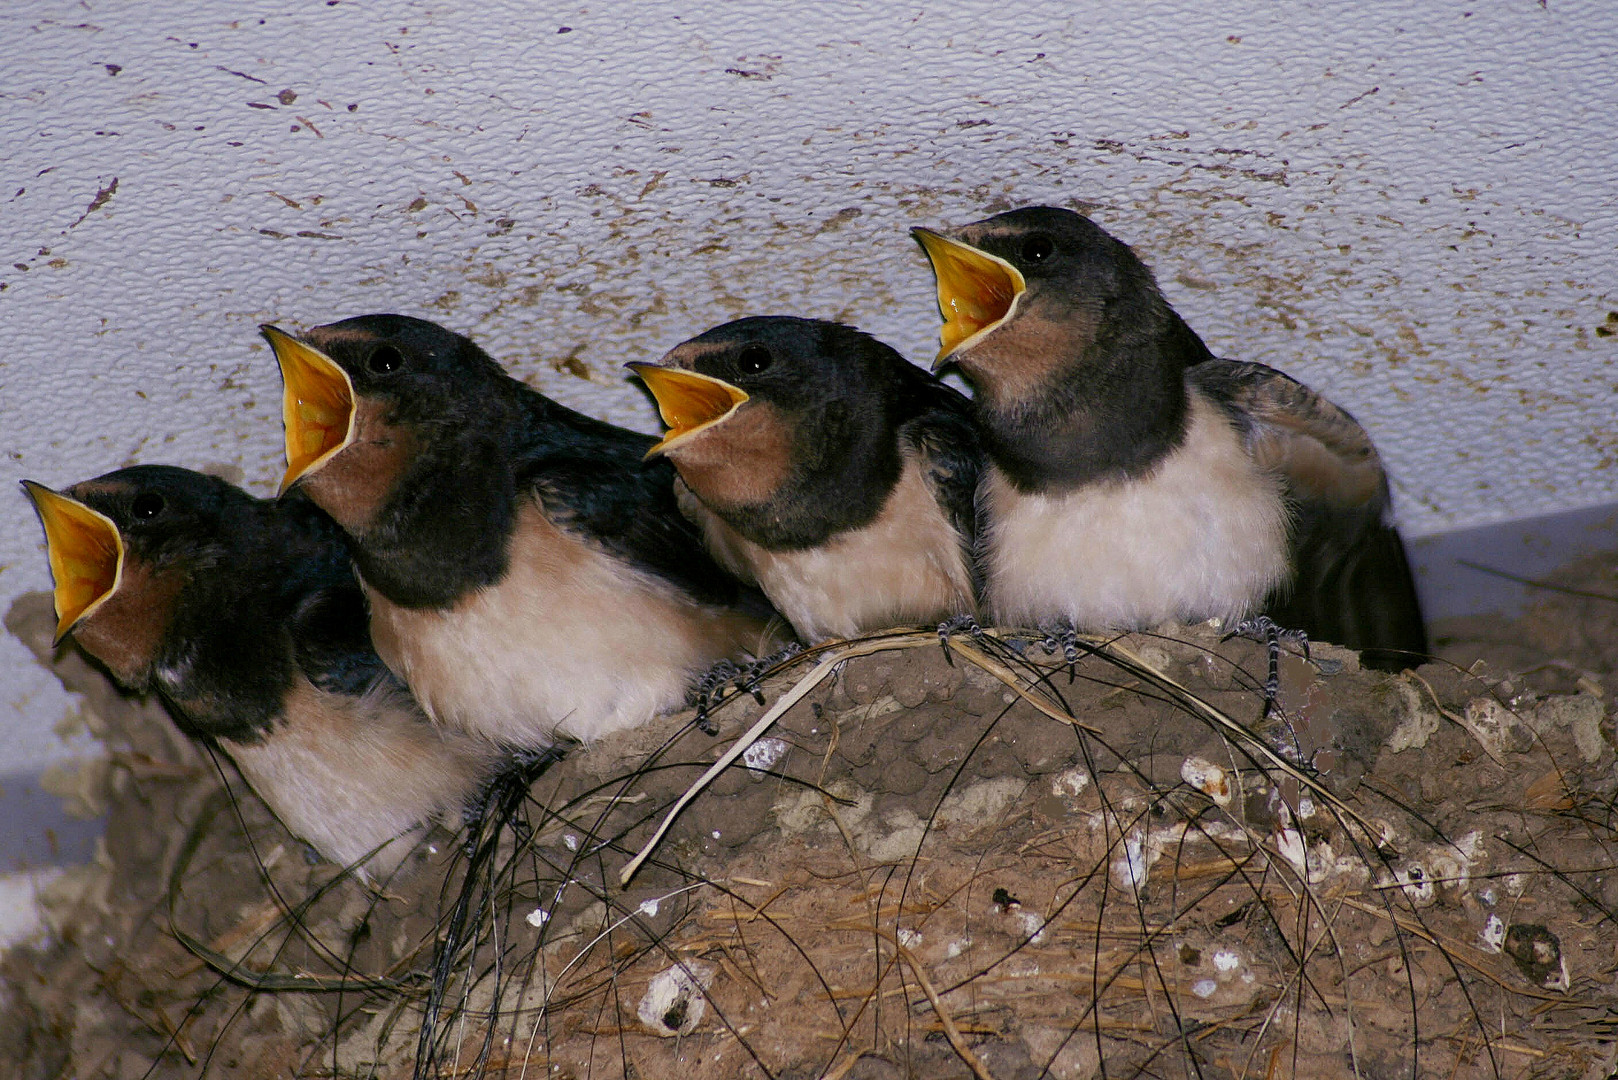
<point>1062,637</point>
<point>754,670</point>
<point>511,782</point>
<point>956,624</point>
<point>709,690</point>
<point>1263,628</point>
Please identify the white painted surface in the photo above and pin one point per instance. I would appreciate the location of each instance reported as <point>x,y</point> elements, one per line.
<point>1410,206</point>
<point>21,920</point>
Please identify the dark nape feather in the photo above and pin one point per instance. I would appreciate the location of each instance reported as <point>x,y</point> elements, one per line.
<point>1352,586</point>
<point>945,439</point>
<point>592,476</point>
<point>331,641</point>
<point>318,597</point>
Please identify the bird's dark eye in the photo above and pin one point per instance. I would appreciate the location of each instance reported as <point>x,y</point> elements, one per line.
<point>383,359</point>
<point>1037,248</point>
<point>754,359</point>
<point>147,505</point>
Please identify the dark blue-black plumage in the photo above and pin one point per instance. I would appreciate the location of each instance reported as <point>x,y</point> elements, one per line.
<point>1089,384</point>
<point>528,572</point>
<point>844,463</point>
<point>244,614</point>
<point>266,592</point>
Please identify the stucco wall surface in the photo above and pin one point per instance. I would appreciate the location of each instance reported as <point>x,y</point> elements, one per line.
<point>1408,205</point>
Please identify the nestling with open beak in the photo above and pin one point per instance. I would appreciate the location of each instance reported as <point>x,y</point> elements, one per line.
<point>1136,479</point>
<point>244,615</point>
<point>528,573</point>
<point>827,468</point>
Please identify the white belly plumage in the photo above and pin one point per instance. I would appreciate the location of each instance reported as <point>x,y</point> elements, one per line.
<point>906,566</point>
<point>357,774</point>
<point>572,642</point>
<point>1204,536</point>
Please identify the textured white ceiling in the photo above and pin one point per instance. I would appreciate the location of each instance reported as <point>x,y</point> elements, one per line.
<point>1409,206</point>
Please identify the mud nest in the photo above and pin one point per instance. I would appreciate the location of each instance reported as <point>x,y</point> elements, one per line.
<point>989,861</point>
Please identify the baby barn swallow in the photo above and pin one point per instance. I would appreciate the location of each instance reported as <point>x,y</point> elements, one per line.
<point>1136,479</point>
<point>244,615</point>
<point>529,575</point>
<point>827,468</point>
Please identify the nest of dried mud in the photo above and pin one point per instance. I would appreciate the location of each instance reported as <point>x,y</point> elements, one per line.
<point>991,862</point>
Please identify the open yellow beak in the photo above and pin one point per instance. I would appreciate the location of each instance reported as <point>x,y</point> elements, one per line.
<point>317,404</point>
<point>688,401</point>
<point>976,290</point>
<point>86,554</point>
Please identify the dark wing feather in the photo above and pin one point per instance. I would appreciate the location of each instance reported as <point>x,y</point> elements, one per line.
<point>1351,582</point>
<point>271,593</point>
<point>940,432</point>
<point>591,476</point>
<point>326,615</point>
<point>331,641</point>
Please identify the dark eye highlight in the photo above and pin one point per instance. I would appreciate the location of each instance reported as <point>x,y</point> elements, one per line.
<point>384,359</point>
<point>147,505</point>
<point>1037,248</point>
<point>754,359</point>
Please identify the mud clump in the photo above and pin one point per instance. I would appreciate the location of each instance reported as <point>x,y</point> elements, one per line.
<point>985,863</point>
